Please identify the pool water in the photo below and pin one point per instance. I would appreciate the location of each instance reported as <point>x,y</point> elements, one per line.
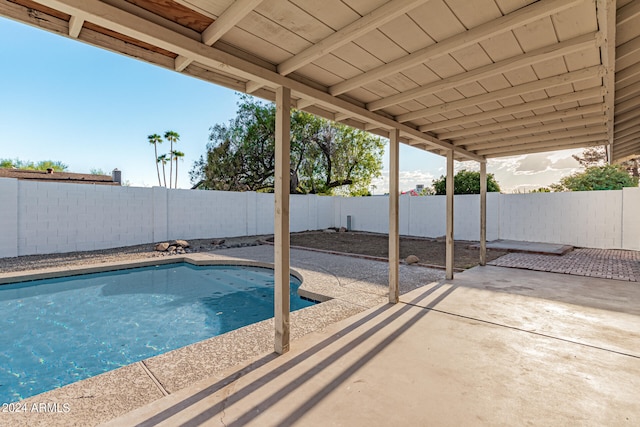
<point>58,331</point>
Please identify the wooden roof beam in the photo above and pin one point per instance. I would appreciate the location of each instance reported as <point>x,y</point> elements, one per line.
<point>369,22</point>
<point>140,29</point>
<point>519,108</point>
<point>623,117</point>
<point>538,138</point>
<point>626,132</point>
<point>553,145</point>
<point>630,149</point>
<point>628,12</point>
<point>628,76</point>
<point>632,136</point>
<point>549,82</point>
<point>627,92</point>
<point>471,143</point>
<point>558,145</point>
<point>75,25</point>
<point>628,105</point>
<point>606,15</point>
<point>229,18</point>
<point>508,124</point>
<point>542,54</point>
<point>251,86</point>
<point>634,121</point>
<point>475,35</point>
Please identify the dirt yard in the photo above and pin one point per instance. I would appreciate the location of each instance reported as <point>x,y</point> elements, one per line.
<point>429,251</point>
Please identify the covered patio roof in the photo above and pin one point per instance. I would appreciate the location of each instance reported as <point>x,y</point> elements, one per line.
<point>486,78</point>
<point>467,79</point>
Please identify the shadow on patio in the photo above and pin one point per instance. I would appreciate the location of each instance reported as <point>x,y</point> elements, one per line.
<point>480,358</point>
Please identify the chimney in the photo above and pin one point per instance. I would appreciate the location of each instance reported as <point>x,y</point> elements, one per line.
<point>116,176</point>
<point>49,170</point>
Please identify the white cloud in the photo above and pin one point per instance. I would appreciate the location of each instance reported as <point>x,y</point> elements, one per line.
<point>408,180</point>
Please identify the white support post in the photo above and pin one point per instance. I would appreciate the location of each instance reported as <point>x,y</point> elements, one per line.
<point>449,237</point>
<point>281,226</point>
<point>483,213</point>
<point>394,235</point>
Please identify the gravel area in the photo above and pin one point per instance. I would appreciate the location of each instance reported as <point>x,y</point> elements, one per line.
<point>36,262</point>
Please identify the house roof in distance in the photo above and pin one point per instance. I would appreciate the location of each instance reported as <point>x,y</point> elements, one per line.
<point>68,177</point>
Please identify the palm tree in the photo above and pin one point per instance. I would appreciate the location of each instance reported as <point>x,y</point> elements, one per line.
<point>163,159</point>
<point>156,139</point>
<point>172,137</point>
<point>177,155</point>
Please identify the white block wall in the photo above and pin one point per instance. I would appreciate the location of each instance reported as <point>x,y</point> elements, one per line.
<point>631,219</point>
<point>590,219</point>
<point>42,217</point>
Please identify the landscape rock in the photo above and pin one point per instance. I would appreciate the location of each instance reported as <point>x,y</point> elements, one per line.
<point>343,229</point>
<point>161,247</point>
<point>329,230</point>
<point>181,243</point>
<point>217,242</point>
<point>171,248</point>
<point>412,259</point>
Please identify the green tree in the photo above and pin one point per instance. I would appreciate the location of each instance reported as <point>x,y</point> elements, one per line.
<point>177,155</point>
<point>97,171</point>
<point>172,137</point>
<point>592,156</point>
<point>465,182</point>
<point>607,177</point>
<point>163,159</point>
<point>156,139</point>
<point>325,157</point>
<point>42,165</point>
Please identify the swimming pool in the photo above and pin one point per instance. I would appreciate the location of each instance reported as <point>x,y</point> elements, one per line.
<point>58,331</point>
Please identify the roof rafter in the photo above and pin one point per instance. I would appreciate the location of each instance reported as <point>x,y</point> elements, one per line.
<point>519,108</point>
<point>539,138</point>
<point>478,141</point>
<point>229,18</point>
<point>556,115</point>
<point>553,144</point>
<point>542,54</point>
<point>138,28</point>
<point>564,144</point>
<point>369,22</point>
<point>482,32</point>
<point>536,85</point>
<point>628,12</point>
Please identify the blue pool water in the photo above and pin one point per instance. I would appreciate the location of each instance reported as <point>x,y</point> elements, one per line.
<point>58,331</point>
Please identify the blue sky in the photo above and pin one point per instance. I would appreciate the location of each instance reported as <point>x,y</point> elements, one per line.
<point>92,109</point>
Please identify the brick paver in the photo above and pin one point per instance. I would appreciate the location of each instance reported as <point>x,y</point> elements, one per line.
<point>602,263</point>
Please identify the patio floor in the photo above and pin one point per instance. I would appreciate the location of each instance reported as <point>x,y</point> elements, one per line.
<point>495,346</point>
<point>603,263</point>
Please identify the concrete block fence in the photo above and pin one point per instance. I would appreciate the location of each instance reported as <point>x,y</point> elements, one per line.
<point>43,217</point>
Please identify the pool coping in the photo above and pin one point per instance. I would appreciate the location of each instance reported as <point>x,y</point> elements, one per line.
<point>124,389</point>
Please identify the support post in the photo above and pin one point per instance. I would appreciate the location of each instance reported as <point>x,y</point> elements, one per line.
<point>449,237</point>
<point>394,234</point>
<point>483,213</point>
<point>281,226</point>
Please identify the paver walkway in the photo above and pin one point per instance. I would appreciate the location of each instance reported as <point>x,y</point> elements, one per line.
<point>602,263</point>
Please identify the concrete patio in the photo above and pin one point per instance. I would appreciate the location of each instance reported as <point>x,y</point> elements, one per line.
<point>495,346</point>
